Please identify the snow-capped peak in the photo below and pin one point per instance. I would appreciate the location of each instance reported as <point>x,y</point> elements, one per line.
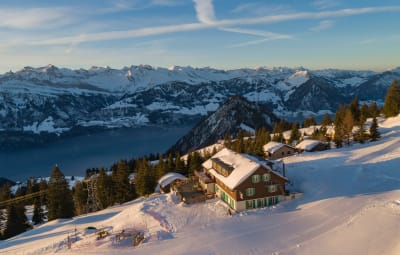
<point>298,78</point>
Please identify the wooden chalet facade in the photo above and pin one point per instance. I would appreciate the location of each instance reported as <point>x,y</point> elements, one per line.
<point>243,182</point>
<point>275,150</point>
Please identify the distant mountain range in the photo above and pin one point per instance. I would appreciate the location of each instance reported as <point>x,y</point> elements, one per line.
<point>53,101</point>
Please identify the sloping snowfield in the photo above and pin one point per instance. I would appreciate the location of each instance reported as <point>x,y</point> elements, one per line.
<point>351,205</point>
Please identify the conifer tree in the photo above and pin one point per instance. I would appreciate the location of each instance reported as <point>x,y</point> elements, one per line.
<point>391,107</point>
<point>195,162</point>
<point>144,180</point>
<point>262,137</point>
<point>38,214</point>
<point>5,192</point>
<point>354,108</point>
<point>17,221</point>
<point>170,163</point>
<point>326,121</point>
<point>373,130</point>
<point>364,113</point>
<point>348,124</point>
<point>80,195</point>
<point>361,135</point>
<point>59,197</point>
<point>43,187</point>
<point>161,167</point>
<point>227,141</point>
<point>339,129</point>
<point>278,137</point>
<point>373,110</point>
<point>310,121</point>
<point>104,189</point>
<point>179,164</point>
<point>239,145</point>
<point>295,133</point>
<point>123,191</point>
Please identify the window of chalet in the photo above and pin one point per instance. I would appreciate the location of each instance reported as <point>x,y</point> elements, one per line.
<point>283,153</point>
<point>272,188</point>
<point>266,177</point>
<point>250,192</point>
<point>255,178</point>
<point>288,152</point>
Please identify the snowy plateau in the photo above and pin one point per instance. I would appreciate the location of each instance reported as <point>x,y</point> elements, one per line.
<point>350,205</point>
<point>57,101</point>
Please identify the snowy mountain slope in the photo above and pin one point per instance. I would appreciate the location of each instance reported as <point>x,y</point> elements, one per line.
<point>103,97</point>
<point>351,205</point>
<point>235,114</point>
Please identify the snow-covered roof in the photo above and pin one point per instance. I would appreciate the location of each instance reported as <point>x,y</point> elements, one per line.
<point>243,166</point>
<point>168,178</point>
<point>308,144</point>
<point>271,147</point>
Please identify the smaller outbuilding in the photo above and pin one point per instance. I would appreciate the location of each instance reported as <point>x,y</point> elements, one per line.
<point>275,150</point>
<point>310,145</point>
<point>165,182</point>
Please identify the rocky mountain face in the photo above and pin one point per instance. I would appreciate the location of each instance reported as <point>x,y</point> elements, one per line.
<point>236,113</point>
<point>46,102</point>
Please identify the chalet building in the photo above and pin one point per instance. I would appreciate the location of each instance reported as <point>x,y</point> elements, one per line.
<point>311,145</point>
<point>242,181</point>
<point>165,182</point>
<point>275,150</point>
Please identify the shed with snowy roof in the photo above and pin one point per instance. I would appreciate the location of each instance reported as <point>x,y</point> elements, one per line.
<point>312,145</point>
<point>275,150</point>
<point>164,183</point>
<point>243,181</point>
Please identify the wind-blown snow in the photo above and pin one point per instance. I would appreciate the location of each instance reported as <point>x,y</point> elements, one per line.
<point>351,205</point>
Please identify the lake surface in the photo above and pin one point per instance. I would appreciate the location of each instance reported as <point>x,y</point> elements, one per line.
<point>75,154</point>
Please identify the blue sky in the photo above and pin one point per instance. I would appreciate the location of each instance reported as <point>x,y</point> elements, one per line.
<point>227,34</point>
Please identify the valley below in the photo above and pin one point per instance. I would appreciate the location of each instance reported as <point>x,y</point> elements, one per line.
<point>75,154</point>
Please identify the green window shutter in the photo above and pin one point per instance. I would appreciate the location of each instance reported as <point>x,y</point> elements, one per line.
<point>252,179</point>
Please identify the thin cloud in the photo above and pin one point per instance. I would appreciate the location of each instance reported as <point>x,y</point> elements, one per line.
<point>151,31</point>
<point>205,14</point>
<point>34,18</point>
<point>129,5</point>
<point>261,8</point>
<point>325,4</point>
<point>254,42</point>
<point>267,36</point>
<point>167,2</point>
<point>323,25</point>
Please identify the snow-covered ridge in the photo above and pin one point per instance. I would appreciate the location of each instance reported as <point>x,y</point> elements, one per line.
<point>143,95</point>
<point>134,78</point>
